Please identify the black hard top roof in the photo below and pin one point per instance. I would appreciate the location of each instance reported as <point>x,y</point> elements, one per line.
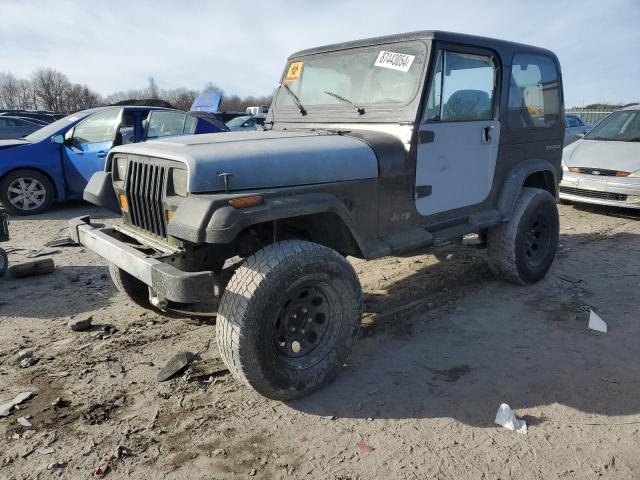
<point>472,40</point>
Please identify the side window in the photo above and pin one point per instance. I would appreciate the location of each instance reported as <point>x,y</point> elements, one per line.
<point>462,88</point>
<point>98,128</point>
<point>534,92</point>
<point>163,124</point>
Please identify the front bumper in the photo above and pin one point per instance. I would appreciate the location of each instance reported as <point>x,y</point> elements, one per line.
<point>610,191</point>
<point>165,281</point>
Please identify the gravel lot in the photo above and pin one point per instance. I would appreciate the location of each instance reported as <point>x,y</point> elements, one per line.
<point>417,401</point>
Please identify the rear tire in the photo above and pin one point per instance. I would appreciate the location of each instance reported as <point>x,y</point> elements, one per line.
<point>288,318</point>
<point>522,250</point>
<point>133,288</point>
<point>26,192</point>
<point>4,262</point>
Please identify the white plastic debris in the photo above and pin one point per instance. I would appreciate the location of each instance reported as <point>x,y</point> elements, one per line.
<point>506,418</point>
<point>24,421</point>
<point>596,323</point>
<point>6,408</point>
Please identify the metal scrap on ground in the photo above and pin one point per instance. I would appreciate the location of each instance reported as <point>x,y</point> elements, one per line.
<point>176,364</point>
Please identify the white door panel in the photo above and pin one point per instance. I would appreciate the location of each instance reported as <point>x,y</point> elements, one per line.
<point>458,164</point>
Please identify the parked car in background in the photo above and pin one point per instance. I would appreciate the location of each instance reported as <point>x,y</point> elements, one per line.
<point>246,123</point>
<point>604,166</point>
<point>55,162</point>
<point>16,127</point>
<point>574,126</point>
<point>41,115</point>
<point>259,110</point>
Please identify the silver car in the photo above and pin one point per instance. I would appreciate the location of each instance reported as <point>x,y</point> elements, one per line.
<point>604,166</point>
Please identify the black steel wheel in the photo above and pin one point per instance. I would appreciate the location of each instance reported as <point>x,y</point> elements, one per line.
<point>288,318</point>
<point>522,249</point>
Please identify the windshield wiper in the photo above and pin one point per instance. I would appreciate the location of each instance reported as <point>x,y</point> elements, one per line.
<point>295,98</point>
<point>360,110</point>
<point>634,139</point>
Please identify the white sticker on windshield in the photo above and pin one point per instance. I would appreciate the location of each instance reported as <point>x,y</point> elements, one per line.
<point>395,61</point>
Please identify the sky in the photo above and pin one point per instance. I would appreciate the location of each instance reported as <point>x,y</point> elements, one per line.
<point>242,46</point>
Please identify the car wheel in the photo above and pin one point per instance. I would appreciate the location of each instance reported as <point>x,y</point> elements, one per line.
<point>4,262</point>
<point>288,317</point>
<point>522,250</point>
<point>137,291</point>
<point>26,192</point>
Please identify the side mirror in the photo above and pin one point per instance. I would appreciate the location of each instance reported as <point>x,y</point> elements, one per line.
<point>579,135</point>
<point>58,139</point>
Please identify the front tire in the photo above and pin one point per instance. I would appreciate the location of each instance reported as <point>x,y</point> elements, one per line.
<point>133,288</point>
<point>288,317</point>
<point>522,250</point>
<point>26,192</point>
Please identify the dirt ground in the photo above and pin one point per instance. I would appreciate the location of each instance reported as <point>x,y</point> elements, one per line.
<point>443,344</point>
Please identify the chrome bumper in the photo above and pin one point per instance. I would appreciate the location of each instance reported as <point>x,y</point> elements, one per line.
<point>611,191</point>
<point>166,282</point>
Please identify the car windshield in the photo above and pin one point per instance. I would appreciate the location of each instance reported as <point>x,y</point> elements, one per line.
<point>236,122</point>
<point>355,78</point>
<point>620,126</point>
<point>53,128</point>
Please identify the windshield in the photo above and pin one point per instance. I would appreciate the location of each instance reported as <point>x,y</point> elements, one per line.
<point>53,128</point>
<point>355,78</point>
<point>236,122</point>
<point>620,126</point>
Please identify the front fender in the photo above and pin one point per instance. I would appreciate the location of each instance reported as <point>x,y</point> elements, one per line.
<point>514,183</point>
<point>203,220</point>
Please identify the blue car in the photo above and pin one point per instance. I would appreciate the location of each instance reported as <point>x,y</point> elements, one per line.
<point>55,163</point>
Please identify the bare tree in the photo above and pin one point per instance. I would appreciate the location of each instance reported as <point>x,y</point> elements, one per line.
<point>51,88</point>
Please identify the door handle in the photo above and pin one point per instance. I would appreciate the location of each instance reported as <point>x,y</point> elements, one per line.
<point>486,134</point>
<point>102,154</point>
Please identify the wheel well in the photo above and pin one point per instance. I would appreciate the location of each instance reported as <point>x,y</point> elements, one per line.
<point>326,229</point>
<point>542,179</point>
<point>42,172</point>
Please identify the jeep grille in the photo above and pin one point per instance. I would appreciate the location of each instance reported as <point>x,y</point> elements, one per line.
<point>145,188</point>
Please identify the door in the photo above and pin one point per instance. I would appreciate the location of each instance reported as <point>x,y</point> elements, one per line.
<point>459,134</point>
<point>86,150</point>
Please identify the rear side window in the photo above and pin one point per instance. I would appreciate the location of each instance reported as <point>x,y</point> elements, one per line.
<point>534,92</point>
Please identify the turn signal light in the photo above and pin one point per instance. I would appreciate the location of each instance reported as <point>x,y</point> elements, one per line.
<point>574,169</point>
<point>124,203</point>
<point>169,215</point>
<point>622,174</point>
<point>245,202</point>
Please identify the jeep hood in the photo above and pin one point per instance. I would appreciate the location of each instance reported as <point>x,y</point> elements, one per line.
<point>621,156</point>
<point>263,159</point>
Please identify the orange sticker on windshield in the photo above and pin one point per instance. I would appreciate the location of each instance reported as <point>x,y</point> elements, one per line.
<point>295,69</point>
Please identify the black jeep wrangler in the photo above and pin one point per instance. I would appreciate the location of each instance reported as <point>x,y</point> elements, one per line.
<point>371,148</point>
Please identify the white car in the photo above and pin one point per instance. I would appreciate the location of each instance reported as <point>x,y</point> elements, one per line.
<point>603,167</point>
